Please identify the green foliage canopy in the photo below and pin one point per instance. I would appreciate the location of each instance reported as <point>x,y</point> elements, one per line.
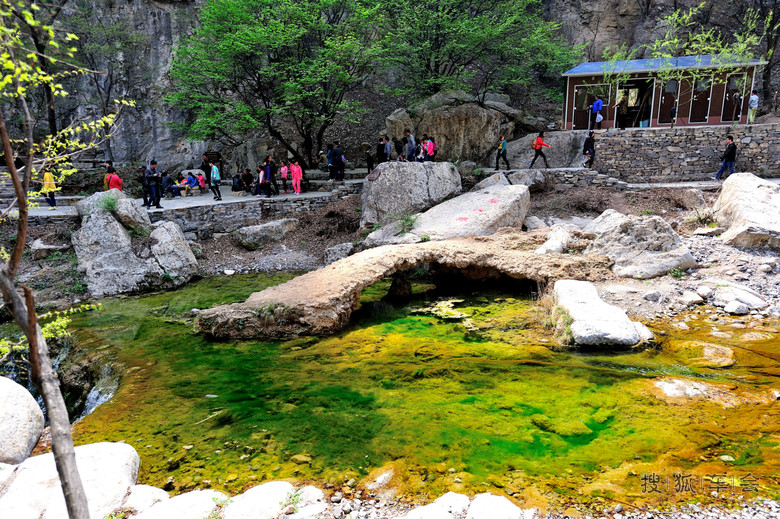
<point>278,65</point>
<point>476,45</point>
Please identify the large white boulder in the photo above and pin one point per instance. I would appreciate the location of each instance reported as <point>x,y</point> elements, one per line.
<point>447,506</point>
<point>21,422</point>
<point>640,247</point>
<point>143,497</point>
<point>496,179</point>
<point>585,319</point>
<point>197,504</point>
<point>264,501</point>
<point>107,470</point>
<point>489,506</point>
<point>748,207</point>
<point>477,213</point>
<point>396,189</point>
<point>558,239</point>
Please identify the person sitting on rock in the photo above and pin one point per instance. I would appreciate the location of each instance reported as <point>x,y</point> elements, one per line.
<point>193,183</point>
<point>236,188</point>
<point>247,181</point>
<point>201,182</point>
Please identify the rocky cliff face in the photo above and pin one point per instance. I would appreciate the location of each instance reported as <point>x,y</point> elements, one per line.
<point>609,23</point>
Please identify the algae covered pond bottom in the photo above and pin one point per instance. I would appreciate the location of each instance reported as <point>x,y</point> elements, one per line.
<point>457,396</point>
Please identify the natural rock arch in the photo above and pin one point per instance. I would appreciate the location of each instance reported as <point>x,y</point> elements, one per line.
<point>322,301</point>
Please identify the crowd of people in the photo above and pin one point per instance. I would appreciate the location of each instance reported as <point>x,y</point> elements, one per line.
<point>407,149</point>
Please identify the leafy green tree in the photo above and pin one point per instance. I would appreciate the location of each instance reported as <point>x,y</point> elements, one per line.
<point>285,66</point>
<point>476,45</point>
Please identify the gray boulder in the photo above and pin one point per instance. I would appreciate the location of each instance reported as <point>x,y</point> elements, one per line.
<point>106,255</point>
<point>558,240</point>
<point>21,422</point>
<point>584,319</point>
<point>132,216</point>
<point>255,236</point>
<point>172,252</point>
<point>532,223</point>
<point>565,150</point>
<point>101,199</point>
<point>496,179</point>
<point>475,213</point>
<point>535,179</point>
<point>463,127</point>
<point>640,247</point>
<point>337,252</point>
<point>107,470</point>
<point>396,189</point>
<point>748,207</point>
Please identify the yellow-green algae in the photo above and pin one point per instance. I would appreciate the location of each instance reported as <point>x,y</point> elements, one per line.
<point>450,408</point>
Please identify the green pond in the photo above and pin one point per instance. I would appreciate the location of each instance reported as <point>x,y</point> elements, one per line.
<point>468,404</point>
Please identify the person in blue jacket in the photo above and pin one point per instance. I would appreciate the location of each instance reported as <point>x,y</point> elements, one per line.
<point>595,110</point>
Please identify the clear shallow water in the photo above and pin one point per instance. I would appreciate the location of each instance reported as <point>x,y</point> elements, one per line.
<point>448,406</point>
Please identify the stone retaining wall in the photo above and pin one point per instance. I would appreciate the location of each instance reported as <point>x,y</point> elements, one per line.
<point>682,154</point>
<point>205,220</point>
<point>564,178</point>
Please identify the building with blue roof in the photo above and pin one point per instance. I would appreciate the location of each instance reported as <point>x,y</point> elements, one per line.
<point>659,92</point>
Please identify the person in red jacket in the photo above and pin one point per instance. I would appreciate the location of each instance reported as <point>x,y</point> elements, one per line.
<point>112,180</point>
<point>538,143</point>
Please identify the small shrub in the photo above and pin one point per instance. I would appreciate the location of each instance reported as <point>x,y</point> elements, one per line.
<point>407,222</point>
<point>676,273</point>
<point>376,227</point>
<point>425,237</point>
<point>166,277</point>
<point>108,203</point>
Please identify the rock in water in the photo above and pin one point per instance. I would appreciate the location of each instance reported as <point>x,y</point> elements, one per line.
<point>585,320</point>
<point>21,422</point>
<point>640,247</point>
<point>748,207</point>
<point>107,470</point>
<point>404,188</point>
<point>255,236</point>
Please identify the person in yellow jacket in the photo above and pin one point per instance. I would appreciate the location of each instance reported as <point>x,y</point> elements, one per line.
<point>49,187</point>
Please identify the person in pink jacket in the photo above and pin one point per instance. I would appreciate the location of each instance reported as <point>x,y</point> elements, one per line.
<point>283,173</point>
<point>297,176</point>
<point>428,150</point>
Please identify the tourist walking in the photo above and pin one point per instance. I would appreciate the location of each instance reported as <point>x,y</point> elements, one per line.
<point>622,110</point>
<point>388,150</point>
<point>752,107</point>
<point>112,179</point>
<point>144,185</point>
<point>338,162</point>
<point>589,149</point>
<point>537,146</point>
<point>331,167</point>
<point>272,175</point>
<point>284,172</point>
<point>501,153</point>
<point>297,176</point>
<point>412,145</point>
<point>154,181</point>
<point>369,160</point>
<point>216,178</point>
<point>205,167</point>
<point>595,113</point>
<point>381,156</point>
<point>48,189</point>
<point>260,184</point>
<point>435,148</point>
<point>729,157</point>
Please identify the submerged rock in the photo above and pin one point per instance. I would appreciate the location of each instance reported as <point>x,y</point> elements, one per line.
<point>21,422</point>
<point>748,207</point>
